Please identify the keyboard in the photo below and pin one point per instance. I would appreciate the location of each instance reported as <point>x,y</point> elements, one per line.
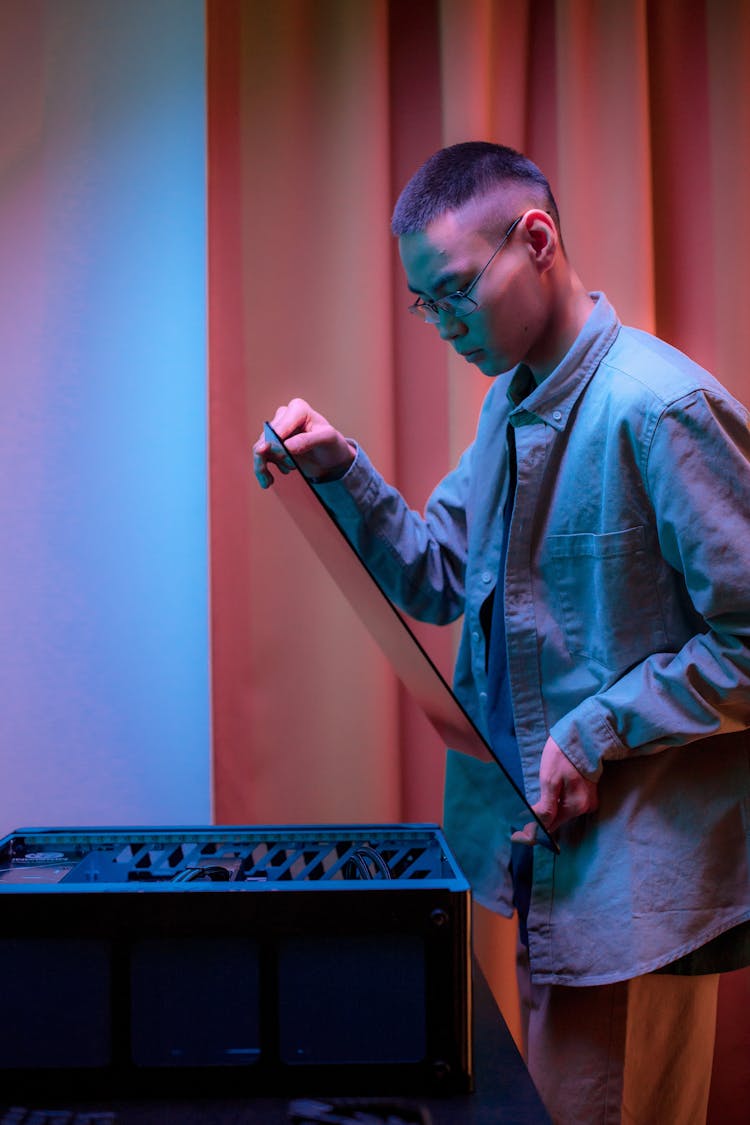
<point>21,1115</point>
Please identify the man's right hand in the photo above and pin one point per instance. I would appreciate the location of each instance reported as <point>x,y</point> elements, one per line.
<point>320,449</point>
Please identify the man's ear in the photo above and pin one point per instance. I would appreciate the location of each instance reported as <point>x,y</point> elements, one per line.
<point>542,237</point>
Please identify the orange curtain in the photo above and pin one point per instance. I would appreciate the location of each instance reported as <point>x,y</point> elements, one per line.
<point>319,110</point>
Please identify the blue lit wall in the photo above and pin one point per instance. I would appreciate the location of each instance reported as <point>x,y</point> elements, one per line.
<point>104,678</point>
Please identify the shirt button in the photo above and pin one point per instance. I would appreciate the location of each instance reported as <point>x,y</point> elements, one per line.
<point>557,415</point>
<point>483,696</point>
<point>487,576</point>
<point>475,635</point>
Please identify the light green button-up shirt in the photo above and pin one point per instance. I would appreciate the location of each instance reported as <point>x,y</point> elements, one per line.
<point>627,605</point>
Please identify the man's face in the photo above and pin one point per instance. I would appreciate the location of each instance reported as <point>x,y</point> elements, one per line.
<point>506,328</point>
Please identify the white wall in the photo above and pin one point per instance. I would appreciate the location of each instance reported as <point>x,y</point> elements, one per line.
<point>104,681</point>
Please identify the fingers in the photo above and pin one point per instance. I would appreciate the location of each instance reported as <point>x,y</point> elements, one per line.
<point>552,817</point>
<point>565,791</point>
<point>547,807</point>
<point>527,834</point>
<point>565,794</point>
<point>296,417</point>
<point>319,449</point>
<point>566,802</point>
<point>264,454</point>
<point>285,422</point>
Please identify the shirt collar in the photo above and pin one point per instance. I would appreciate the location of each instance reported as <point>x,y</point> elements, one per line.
<point>553,399</point>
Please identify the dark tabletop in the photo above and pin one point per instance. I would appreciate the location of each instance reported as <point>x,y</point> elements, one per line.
<point>504,1092</point>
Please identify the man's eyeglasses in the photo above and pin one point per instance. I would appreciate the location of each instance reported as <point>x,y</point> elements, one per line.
<point>459,303</point>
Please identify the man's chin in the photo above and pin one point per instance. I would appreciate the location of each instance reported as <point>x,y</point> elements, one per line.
<point>490,366</point>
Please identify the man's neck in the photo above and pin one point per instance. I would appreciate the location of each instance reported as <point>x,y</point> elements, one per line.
<point>569,311</point>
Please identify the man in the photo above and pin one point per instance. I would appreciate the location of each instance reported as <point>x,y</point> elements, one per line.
<point>607,498</point>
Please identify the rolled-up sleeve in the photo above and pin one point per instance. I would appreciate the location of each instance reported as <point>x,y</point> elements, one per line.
<point>420,560</point>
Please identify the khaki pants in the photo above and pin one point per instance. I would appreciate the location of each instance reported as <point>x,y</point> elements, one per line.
<point>638,1052</point>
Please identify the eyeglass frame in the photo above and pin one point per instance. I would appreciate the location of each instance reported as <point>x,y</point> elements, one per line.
<point>423,308</point>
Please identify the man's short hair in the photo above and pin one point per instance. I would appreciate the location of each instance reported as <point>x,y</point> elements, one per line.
<point>454,175</point>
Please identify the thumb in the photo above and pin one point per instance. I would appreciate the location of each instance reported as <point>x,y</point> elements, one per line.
<point>525,835</point>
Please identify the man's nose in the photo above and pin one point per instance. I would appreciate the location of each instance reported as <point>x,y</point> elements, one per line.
<point>449,326</point>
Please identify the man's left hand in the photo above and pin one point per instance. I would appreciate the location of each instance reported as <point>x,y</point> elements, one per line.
<point>566,793</point>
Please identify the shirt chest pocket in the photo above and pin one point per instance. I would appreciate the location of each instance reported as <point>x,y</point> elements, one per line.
<point>606,590</point>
